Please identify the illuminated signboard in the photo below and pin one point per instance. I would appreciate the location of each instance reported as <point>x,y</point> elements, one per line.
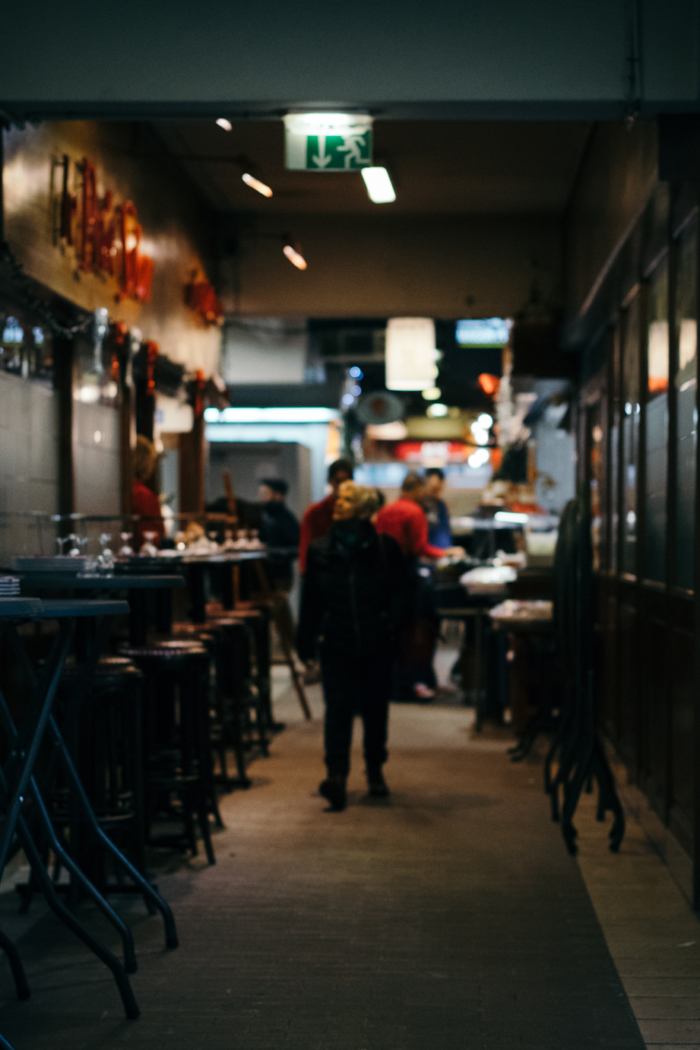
<point>485,331</point>
<point>328,141</point>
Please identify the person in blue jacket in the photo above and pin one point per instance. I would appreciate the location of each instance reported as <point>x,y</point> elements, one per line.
<point>439,532</point>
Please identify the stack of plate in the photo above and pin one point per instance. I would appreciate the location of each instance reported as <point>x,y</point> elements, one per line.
<point>9,586</point>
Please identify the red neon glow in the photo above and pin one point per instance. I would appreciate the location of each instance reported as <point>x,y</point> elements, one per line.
<point>489,384</point>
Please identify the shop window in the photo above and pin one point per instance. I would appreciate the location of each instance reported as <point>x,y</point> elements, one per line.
<point>594,441</point>
<point>25,348</point>
<point>614,452</point>
<point>630,436</point>
<point>656,429</point>
<point>685,381</point>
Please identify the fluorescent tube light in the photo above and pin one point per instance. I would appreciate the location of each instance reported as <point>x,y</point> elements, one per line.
<point>295,257</point>
<point>310,122</point>
<point>379,187</point>
<point>257,185</point>
<point>271,415</point>
<point>511,516</point>
<point>225,124</point>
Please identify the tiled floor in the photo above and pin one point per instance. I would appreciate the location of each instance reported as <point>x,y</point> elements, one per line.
<point>450,918</point>
<point>652,934</point>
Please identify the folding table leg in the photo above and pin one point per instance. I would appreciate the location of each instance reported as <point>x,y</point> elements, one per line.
<point>104,840</point>
<point>26,750</point>
<point>131,1008</point>
<point>61,750</point>
<point>48,889</point>
<point>15,962</point>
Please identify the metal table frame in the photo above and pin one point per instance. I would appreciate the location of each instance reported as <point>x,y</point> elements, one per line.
<point>136,585</point>
<point>18,781</point>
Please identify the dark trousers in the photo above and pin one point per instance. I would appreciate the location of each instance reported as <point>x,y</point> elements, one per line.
<point>350,687</point>
<point>418,640</point>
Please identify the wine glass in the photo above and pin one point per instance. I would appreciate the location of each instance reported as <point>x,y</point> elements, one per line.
<point>126,551</point>
<point>106,559</point>
<point>74,551</point>
<point>61,542</point>
<point>149,549</point>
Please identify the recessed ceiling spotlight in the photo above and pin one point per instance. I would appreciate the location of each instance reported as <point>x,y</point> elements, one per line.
<point>225,124</point>
<point>257,185</point>
<point>295,257</point>
<point>379,186</point>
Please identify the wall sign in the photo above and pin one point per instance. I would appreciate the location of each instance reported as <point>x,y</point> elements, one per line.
<point>107,238</point>
<point>328,141</point>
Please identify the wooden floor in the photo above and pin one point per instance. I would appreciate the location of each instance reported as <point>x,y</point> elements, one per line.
<point>450,917</point>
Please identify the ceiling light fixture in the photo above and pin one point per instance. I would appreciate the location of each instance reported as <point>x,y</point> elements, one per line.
<point>432,393</point>
<point>225,124</point>
<point>256,184</point>
<point>437,410</point>
<point>295,257</point>
<point>379,186</point>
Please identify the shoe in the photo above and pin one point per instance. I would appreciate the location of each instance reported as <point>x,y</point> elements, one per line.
<point>377,784</point>
<point>333,789</point>
<point>423,692</point>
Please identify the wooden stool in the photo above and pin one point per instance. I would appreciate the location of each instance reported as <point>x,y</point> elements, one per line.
<point>178,756</point>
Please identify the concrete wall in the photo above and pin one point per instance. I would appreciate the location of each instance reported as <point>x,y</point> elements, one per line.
<point>96,459</point>
<point>400,52</point>
<point>28,461</point>
<point>249,463</point>
<point>434,266</point>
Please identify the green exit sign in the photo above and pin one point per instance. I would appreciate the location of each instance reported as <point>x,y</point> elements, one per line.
<point>328,142</point>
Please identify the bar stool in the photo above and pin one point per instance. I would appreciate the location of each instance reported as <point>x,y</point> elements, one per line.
<point>239,721</point>
<point>104,735</point>
<point>109,756</point>
<point>178,757</point>
<point>257,619</point>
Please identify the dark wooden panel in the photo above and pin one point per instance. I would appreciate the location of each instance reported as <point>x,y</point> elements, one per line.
<point>652,724</point>
<point>682,676</point>
<point>628,710</point>
<point>608,678</point>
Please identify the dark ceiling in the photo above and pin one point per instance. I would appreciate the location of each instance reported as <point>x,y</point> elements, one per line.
<point>438,167</point>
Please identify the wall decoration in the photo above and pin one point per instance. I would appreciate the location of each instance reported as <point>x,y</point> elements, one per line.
<point>201,297</point>
<point>107,238</point>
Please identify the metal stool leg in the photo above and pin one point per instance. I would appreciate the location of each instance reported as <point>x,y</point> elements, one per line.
<point>15,962</point>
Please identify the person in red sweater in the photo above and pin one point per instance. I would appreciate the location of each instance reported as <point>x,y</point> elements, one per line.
<point>318,518</point>
<point>406,521</point>
<point>145,504</point>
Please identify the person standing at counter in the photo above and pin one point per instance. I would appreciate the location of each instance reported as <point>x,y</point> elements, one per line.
<point>145,504</point>
<point>405,520</point>
<point>439,532</point>
<point>278,529</point>
<point>319,516</point>
<point>354,595</point>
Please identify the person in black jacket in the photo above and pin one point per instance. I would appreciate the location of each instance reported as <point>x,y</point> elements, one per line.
<point>353,600</point>
<point>279,529</point>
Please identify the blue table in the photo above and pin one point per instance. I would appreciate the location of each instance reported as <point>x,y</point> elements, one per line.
<point>18,783</point>
<point>136,586</point>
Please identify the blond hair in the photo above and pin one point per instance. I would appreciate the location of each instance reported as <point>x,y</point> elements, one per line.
<point>366,500</point>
